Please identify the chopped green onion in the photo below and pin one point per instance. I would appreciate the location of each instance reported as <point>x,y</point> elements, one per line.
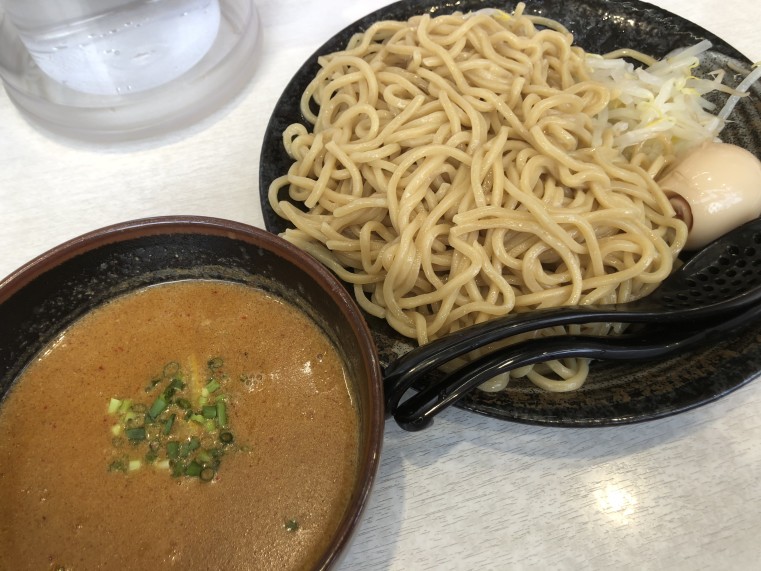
<point>135,433</point>
<point>168,425</point>
<point>172,449</point>
<point>113,405</point>
<point>177,384</point>
<point>174,386</point>
<point>158,406</point>
<point>221,414</point>
<point>177,468</point>
<point>193,469</point>
<point>163,465</point>
<point>291,525</point>
<point>150,427</point>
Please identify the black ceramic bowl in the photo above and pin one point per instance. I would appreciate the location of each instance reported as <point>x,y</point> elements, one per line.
<point>615,393</point>
<point>48,294</point>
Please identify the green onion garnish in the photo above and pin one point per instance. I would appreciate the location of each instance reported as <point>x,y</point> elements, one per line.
<point>113,405</point>
<point>177,468</point>
<point>174,386</point>
<point>221,414</point>
<point>212,386</point>
<point>168,425</point>
<point>193,469</point>
<point>172,449</point>
<point>135,434</point>
<point>152,428</point>
<point>158,406</point>
<point>291,525</point>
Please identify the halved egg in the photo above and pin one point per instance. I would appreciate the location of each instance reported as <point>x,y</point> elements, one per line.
<point>714,189</point>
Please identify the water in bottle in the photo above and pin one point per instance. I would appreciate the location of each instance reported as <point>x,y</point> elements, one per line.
<point>109,47</point>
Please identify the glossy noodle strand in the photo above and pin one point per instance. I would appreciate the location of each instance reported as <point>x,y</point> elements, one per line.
<point>456,171</point>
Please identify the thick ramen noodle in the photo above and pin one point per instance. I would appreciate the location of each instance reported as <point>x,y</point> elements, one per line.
<point>80,489</point>
<point>455,172</point>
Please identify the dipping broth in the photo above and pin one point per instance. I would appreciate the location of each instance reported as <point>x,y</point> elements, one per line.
<point>250,391</point>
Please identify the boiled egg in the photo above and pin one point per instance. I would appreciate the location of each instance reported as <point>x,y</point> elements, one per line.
<point>714,189</point>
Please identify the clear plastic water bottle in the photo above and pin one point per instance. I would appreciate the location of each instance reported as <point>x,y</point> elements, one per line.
<point>115,46</point>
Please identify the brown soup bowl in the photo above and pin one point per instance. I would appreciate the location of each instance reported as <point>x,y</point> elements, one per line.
<point>48,294</point>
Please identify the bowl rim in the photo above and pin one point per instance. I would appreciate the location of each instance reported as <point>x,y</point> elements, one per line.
<point>369,457</point>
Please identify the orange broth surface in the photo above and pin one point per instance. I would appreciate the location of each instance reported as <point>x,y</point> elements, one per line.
<point>278,491</point>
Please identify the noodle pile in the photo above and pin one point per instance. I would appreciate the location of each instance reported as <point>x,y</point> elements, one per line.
<point>457,171</point>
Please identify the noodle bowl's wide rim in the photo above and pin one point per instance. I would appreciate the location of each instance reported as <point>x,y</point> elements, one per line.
<point>373,421</point>
<point>627,394</point>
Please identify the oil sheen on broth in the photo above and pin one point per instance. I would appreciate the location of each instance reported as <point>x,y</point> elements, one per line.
<point>277,491</point>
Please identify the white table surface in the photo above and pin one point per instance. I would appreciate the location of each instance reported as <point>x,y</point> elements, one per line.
<point>470,492</point>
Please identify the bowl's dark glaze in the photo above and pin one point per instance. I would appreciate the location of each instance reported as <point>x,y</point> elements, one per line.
<point>614,393</point>
<point>45,296</point>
